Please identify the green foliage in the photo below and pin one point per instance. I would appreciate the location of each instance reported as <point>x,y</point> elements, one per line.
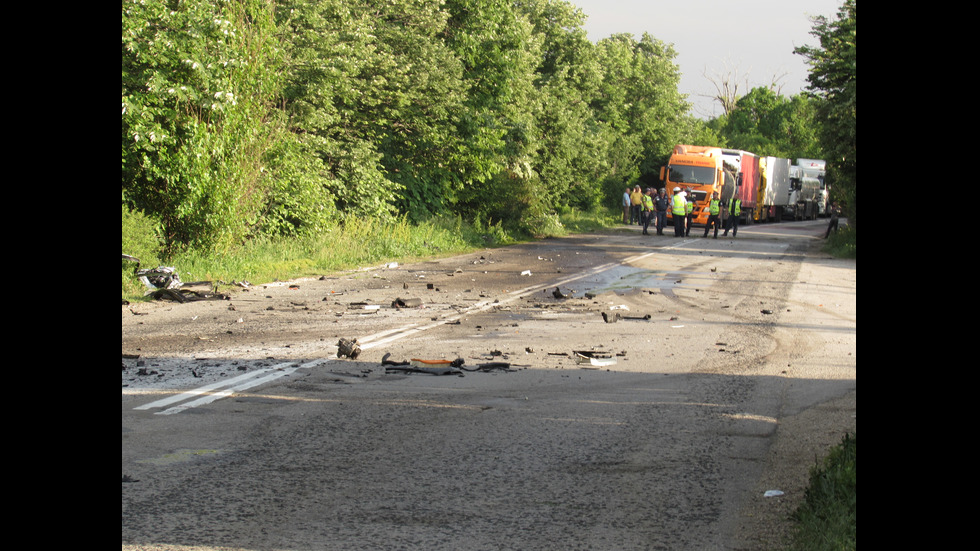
<point>772,125</point>
<point>198,80</point>
<point>843,242</point>
<point>833,78</point>
<point>141,238</point>
<point>827,520</point>
<point>255,119</point>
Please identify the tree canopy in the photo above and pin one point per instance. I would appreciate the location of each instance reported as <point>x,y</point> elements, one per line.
<point>833,79</point>
<point>243,118</point>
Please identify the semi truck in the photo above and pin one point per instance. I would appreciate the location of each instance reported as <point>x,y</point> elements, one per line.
<point>804,194</point>
<point>745,166</point>
<point>775,189</point>
<point>817,168</point>
<point>702,169</point>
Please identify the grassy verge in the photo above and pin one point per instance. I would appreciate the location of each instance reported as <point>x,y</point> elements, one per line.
<point>842,243</point>
<point>353,244</point>
<point>827,520</point>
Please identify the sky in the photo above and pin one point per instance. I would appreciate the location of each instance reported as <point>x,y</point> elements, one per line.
<point>752,40</point>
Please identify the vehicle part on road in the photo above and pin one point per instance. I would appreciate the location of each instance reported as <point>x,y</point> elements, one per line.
<point>505,366</point>
<point>429,370</point>
<point>186,295</point>
<point>610,318</point>
<point>406,303</point>
<point>348,348</point>
<point>594,358</point>
<point>386,361</point>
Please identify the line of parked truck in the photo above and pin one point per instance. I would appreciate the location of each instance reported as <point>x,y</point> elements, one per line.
<point>770,188</point>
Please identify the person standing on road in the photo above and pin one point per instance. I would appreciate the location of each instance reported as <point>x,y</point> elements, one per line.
<point>661,203</point>
<point>626,206</point>
<point>678,211</point>
<point>636,201</point>
<point>834,219</point>
<point>734,208</point>
<point>647,209</point>
<point>689,210</point>
<point>714,213</point>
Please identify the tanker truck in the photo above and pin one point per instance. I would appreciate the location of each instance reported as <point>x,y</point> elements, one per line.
<point>817,168</point>
<point>701,168</point>
<point>804,194</point>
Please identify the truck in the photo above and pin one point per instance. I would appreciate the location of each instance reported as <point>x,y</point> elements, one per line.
<point>775,188</point>
<point>804,194</point>
<point>745,166</point>
<point>701,168</point>
<point>817,168</point>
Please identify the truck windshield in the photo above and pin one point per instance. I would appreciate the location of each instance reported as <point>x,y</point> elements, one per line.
<point>691,174</point>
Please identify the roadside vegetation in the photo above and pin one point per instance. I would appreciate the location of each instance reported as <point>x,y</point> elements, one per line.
<point>827,520</point>
<point>353,244</point>
<point>842,243</point>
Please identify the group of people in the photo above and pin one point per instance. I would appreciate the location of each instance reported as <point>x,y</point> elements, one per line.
<point>642,208</point>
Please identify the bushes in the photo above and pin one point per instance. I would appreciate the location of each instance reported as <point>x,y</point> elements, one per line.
<point>827,520</point>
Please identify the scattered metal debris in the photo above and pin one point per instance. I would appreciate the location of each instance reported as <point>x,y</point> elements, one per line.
<point>406,303</point>
<point>348,348</point>
<point>597,359</point>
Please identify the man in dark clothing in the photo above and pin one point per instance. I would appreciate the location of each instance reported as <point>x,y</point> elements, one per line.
<point>661,203</point>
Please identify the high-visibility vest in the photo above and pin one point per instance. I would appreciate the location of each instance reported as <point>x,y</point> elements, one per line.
<point>689,207</point>
<point>714,207</point>
<point>647,202</point>
<point>735,206</point>
<point>678,202</point>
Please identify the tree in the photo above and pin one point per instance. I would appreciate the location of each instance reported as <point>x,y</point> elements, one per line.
<point>199,84</point>
<point>769,124</point>
<point>640,105</point>
<point>497,127</point>
<point>833,79</point>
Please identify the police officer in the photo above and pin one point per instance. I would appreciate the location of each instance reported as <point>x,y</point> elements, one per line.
<point>647,209</point>
<point>734,210</point>
<point>689,211</point>
<point>714,214</point>
<point>661,203</point>
<point>678,211</point>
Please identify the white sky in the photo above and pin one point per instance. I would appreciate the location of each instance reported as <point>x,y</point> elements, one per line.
<point>752,40</point>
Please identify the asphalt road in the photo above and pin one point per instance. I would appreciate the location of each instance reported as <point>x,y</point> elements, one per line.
<point>242,429</point>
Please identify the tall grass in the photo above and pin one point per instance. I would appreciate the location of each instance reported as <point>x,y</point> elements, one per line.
<point>827,520</point>
<point>353,243</point>
<point>843,242</point>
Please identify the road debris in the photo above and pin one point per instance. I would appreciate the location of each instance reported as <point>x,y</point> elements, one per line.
<point>406,303</point>
<point>597,359</point>
<point>348,348</point>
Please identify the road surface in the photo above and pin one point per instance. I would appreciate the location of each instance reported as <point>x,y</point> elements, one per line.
<point>730,368</point>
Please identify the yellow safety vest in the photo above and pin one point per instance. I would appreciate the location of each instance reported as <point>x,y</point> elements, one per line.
<point>678,202</point>
<point>735,206</point>
<point>647,202</point>
<point>714,207</point>
<point>689,207</point>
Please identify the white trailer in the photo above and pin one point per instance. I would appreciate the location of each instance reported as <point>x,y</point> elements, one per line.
<point>776,188</point>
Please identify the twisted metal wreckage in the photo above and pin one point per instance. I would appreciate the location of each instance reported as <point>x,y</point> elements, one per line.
<point>163,283</point>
